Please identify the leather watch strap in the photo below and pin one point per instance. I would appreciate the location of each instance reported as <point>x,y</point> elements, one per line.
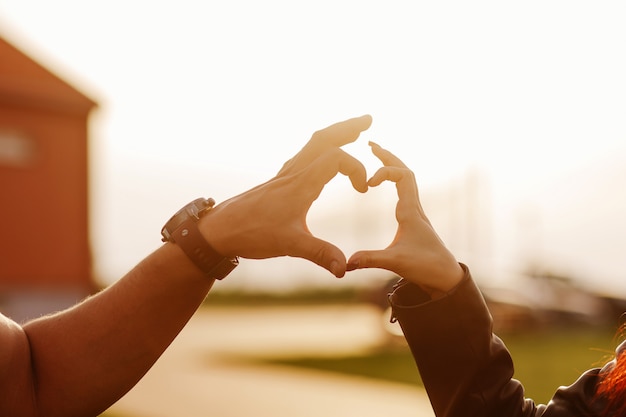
<point>190,240</point>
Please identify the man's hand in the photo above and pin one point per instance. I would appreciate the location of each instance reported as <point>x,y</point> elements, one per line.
<point>270,219</point>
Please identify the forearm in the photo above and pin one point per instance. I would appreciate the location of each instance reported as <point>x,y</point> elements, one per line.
<point>84,359</point>
<point>466,370</point>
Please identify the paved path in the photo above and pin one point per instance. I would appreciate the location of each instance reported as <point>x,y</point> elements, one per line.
<point>195,378</point>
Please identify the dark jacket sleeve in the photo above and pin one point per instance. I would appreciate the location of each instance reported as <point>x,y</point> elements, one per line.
<point>466,369</point>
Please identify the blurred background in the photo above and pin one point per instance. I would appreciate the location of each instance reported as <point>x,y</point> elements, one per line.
<point>511,116</point>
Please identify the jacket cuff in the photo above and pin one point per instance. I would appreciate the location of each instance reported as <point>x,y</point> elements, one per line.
<point>405,294</point>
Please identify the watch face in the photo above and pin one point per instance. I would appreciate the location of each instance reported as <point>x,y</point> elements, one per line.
<point>173,223</point>
<point>194,210</point>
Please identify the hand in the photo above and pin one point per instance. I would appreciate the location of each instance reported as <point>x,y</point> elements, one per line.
<point>416,252</point>
<point>270,219</point>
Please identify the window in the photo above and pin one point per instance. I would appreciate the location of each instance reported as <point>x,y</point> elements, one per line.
<point>16,149</point>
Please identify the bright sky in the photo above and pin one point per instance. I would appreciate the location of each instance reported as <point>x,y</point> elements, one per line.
<point>203,98</point>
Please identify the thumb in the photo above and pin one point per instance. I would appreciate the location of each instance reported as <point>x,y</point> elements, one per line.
<point>321,252</point>
<point>368,259</point>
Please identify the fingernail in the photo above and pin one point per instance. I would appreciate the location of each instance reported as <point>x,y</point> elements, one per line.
<point>334,268</point>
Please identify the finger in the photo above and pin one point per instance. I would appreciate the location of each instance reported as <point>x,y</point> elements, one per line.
<point>390,173</point>
<point>370,259</point>
<point>408,194</point>
<point>395,170</point>
<point>323,253</point>
<point>341,133</point>
<point>402,177</point>
<point>333,136</point>
<point>325,168</point>
<point>386,157</point>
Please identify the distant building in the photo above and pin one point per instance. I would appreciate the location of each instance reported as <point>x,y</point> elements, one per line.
<point>45,260</point>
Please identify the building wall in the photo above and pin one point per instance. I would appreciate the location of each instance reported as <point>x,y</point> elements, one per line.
<point>44,199</point>
<point>45,259</point>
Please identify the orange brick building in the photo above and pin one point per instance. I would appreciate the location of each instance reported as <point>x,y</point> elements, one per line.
<point>45,246</point>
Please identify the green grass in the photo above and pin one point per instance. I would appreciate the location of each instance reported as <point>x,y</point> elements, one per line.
<point>543,361</point>
<point>394,365</point>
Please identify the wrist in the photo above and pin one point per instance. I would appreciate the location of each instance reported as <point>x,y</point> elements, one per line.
<point>214,228</point>
<point>183,230</point>
<point>440,278</point>
<point>175,262</point>
<point>451,275</point>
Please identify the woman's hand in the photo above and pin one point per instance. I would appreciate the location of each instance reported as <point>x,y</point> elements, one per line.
<point>416,253</point>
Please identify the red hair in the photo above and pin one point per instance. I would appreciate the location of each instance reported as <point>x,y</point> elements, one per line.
<point>612,385</point>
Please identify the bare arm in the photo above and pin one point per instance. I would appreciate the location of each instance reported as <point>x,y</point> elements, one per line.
<point>84,359</point>
<point>80,361</point>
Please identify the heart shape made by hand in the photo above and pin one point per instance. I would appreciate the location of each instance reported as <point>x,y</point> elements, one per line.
<point>354,221</point>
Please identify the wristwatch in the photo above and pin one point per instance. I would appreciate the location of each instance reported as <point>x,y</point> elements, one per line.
<point>182,229</point>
